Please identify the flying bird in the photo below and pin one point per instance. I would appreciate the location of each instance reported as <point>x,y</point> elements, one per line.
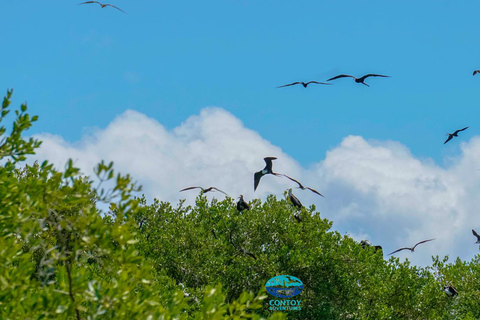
<point>450,291</point>
<point>302,187</point>
<point>205,190</point>
<point>358,80</point>
<point>242,205</point>
<point>476,71</point>
<point>476,235</point>
<point>303,84</point>
<point>267,170</point>
<point>103,5</point>
<point>455,134</point>
<point>411,249</point>
<point>294,199</point>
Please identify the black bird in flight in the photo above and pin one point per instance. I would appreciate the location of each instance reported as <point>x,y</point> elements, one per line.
<point>411,249</point>
<point>103,5</point>
<point>455,134</point>
<point>267,170</point>
<point>302,187</point>
<point>205,190</point>
<point>303,84</point>
<point>476,235</point>
<point>476,71</point>
<point>450,291</point>
<point>358,80</point>
<point>242,205</point>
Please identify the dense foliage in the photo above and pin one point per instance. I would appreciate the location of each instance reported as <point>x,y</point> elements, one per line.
<point>62,258</point>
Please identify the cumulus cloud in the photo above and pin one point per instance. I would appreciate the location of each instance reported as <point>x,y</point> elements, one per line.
<point>374,189</point>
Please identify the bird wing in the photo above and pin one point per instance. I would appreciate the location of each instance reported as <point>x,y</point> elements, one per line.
<point>452,288</point>
<point>422,242</point>
<point>374,75</point>
<point>341,76</point>
<point>315,191</point>
<point>90,2</point>
<point>449,138</point>
<point>299,184</point>
<point>475,234</point>
<point>400,250</point>
<point>460,130</point>
<point>220,191</point>
<point>290,84</point>
<point>190,188</point>
<point>318,83</point>
<point>476,71</point>
<point>256,179</point>
<point>111,5</point>
<point>268,161</point>
<point>295,201</point>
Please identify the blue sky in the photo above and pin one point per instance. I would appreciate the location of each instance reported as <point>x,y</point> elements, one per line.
<point>377,153</point>
<point>79,66</point>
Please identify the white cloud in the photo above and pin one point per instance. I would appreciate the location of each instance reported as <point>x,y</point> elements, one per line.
<point>373,189</point>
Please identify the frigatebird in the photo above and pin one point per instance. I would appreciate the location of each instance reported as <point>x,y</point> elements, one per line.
<point>358,80</point>
<point>242,205</point>
<point>302,187</point>
<point>411,249</point>
<point>367,244</point>
<point>294,199</point>
<point>450,291</point>
<point>455,134</point>
<point>303,84</point>
<point>205,190</point>
<point>476,71</point>
<point>103,5</point>
<point>476,235</point>
<point>267,170</point>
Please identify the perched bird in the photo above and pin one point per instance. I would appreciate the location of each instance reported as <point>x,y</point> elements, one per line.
<point>476,71</point>
<point>302,187</point>
<point>303,84</point>
<point>267,170</point>
<point>103,5</point>
<point>297,217</point>
<point>358,80</point>
<point>411,249</point>
<point>294,199</point>
<point>242,205</point>
<point>455,134</point>
<point>205,190</point>
<point>476,235</point>
<point>450,291</point>
<point>367,244</point>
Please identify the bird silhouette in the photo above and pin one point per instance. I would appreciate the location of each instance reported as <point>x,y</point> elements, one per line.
<point>301,185</point>
<point>411,249</point>
<point>455,134</point>
<point>476,235</point>
<point>476,71</point>
<point>303,84</point>
<point>267,170</point>
<point>103,5</point>
<point>205,190</point>
<point>242,205</point>
<point>450,291</point>
<point>358,80</point>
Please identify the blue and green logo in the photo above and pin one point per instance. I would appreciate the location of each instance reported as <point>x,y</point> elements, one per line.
<point>284,286</point>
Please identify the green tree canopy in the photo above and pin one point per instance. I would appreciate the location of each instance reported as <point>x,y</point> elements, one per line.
<point>61,257</point>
